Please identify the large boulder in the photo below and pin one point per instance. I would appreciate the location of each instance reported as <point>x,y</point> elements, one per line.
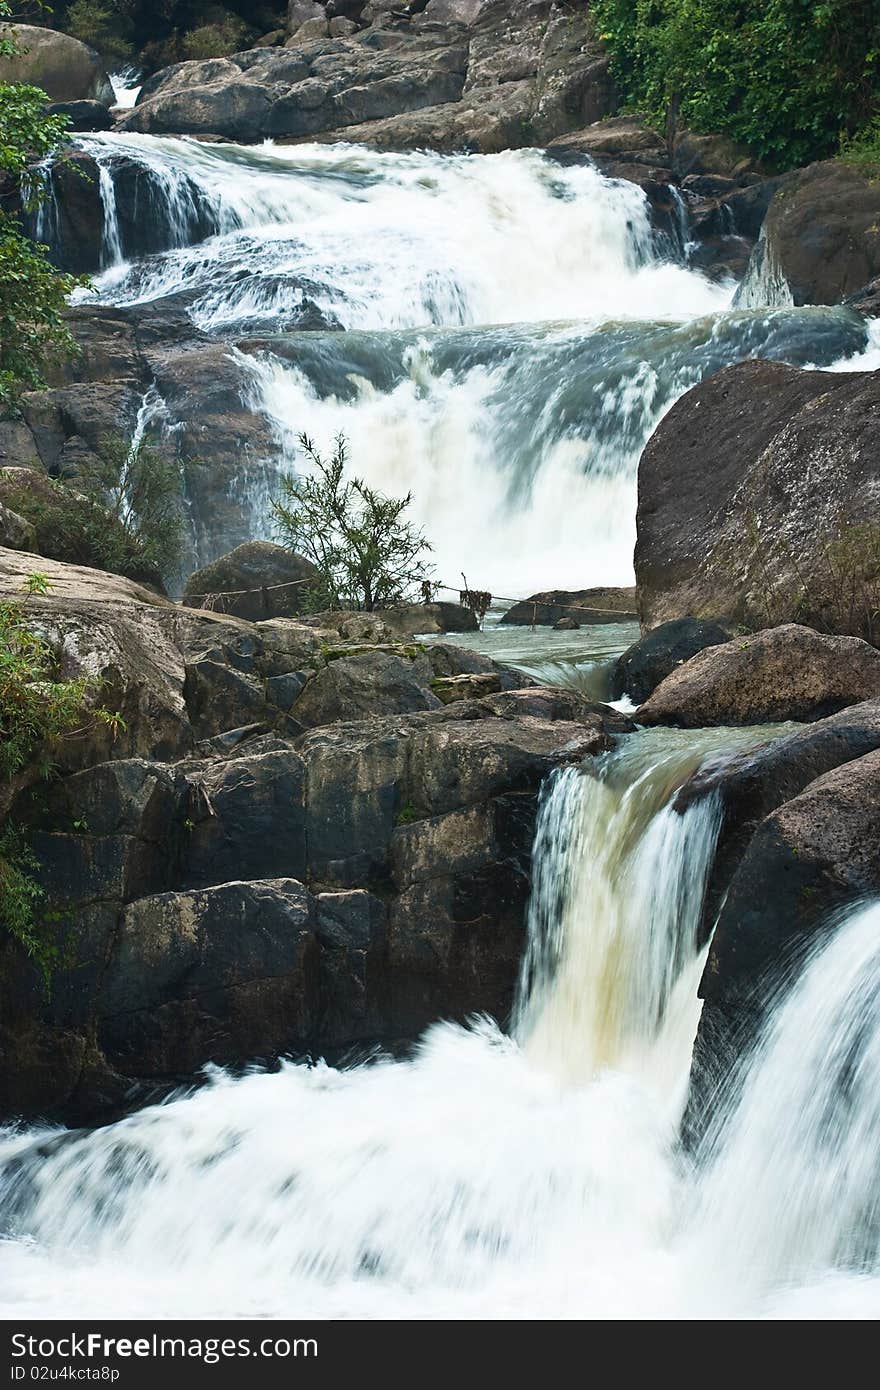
<point>371,682</point>
<point>742,488</point>
<point>586,606</point>
<point>65,68</point>
<point>788,672</point>
<point>257,580</point>
<point>653,657</point>
<point>822,231</point>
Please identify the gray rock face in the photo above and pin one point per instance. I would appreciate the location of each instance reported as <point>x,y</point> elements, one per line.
<point>65,68</point>
<point>98,394</point>
<point>739,484</point>
<point>815,854</point>
<point>788,672</point>
<point>15,532</point>
<point>752,785</point>
<point>256,581</point>
<point>501,77</point>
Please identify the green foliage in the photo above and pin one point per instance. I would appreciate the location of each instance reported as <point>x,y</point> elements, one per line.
<point>863,149</point>
<point>33,296</point>
<point>36,711</point>
<point>140,488</point>
<point>20,895</point>
<point>103,27</point>
<point>32,293</point>
<point>215,40</point>
<point>784,77</point>
<point>120,513</point>
<point>367,554</point>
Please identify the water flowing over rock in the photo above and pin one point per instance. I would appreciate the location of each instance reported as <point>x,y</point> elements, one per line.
<point>806,862</point>
<point>220,865</point>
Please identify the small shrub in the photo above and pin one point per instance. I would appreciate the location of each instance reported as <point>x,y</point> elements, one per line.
<point>863,149</point>
<point>218,40</point>
<point>368,556</point>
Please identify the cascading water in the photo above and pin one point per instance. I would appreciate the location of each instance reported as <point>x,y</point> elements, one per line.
<point>490,1176</point>
<point>497,334</point>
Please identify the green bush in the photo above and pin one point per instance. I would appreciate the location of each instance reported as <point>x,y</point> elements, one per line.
<point>367,555</point>
<point>103,27</point>
<point>122,511</point>
<point>863,149</point>
<point>215,40</point>
<point>785,77</point>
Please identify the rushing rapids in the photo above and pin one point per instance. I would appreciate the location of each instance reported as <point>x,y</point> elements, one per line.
<point>499,334</point>
<point>533,1175</point>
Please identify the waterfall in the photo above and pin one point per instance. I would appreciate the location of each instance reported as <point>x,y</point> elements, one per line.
<point>111,251</point>
<point>791,1183</point>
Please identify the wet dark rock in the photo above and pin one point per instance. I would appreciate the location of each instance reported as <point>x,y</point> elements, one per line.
<point>82,115</point>
<point>813,856</point>
<point>224,887</point>
<point>566,624</point>
<point>650,660</point>
<point>370,682</point>
<point>751,785</point>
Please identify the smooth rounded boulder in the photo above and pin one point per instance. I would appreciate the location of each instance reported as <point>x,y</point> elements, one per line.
<point>257,580</point>
<point>788,672</point>
<point>64,68</point>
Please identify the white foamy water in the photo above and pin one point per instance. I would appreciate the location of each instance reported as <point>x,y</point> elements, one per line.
<point>126,87</point>
<point>500,334</point>
<point>533,1176</point>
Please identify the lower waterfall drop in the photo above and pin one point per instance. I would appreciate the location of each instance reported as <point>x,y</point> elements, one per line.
<point>488,1179</point>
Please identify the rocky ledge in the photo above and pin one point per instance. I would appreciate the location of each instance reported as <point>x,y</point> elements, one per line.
<point>300,842</point>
